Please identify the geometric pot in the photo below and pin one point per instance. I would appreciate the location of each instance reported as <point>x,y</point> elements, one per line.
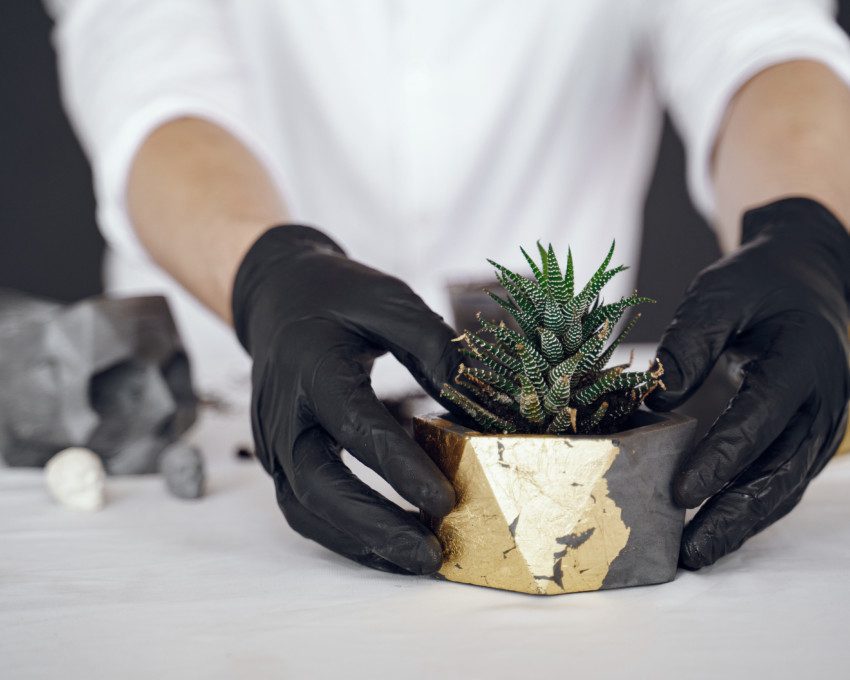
<point>548,515</point>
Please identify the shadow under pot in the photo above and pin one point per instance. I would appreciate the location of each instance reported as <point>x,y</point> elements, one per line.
<point>548,515</point>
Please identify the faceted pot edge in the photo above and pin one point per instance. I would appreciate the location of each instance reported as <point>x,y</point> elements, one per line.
<point>549,515</point>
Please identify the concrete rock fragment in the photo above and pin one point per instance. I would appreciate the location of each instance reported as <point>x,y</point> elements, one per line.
<point>183,469</point>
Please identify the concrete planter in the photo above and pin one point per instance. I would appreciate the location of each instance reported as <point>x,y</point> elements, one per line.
<point>550,515</point>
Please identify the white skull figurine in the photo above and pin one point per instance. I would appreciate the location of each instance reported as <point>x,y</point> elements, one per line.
<point>75,478</point>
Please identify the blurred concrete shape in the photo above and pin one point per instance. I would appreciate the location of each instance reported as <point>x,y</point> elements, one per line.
<point>108,374</point>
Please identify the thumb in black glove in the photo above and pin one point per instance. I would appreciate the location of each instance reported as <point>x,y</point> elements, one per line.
<point>314,321</point>
<point>780,303</point>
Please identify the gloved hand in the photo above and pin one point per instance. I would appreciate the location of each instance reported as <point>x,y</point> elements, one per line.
<point>314,321</point>
<point>780,303</point>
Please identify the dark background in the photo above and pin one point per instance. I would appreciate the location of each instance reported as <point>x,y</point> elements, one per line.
<point>47,207</point>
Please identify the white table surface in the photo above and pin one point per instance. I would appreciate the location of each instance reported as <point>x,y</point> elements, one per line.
<point>155,587</point>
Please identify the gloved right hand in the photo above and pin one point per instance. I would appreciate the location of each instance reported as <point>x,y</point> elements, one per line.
<point>314,321</point>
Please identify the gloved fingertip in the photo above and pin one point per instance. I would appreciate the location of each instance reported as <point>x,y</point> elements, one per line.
<point>696,550</point>
<point>428,557</point>
<point>674,389</point>
<point>690,559</point>
<point>688,489</point>
<point>439,499</point>
<point>661,400</point>
<point>418,480</point>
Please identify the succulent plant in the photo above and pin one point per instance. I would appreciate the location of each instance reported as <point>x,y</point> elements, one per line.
<point>550,376</point>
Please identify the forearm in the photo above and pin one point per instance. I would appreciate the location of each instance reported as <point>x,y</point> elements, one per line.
<point>787,132</point>
<point>198,199</point>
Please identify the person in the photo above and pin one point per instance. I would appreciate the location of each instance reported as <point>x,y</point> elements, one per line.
<point>422,137</point>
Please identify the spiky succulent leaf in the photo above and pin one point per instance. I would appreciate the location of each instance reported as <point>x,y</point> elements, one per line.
<point>496,402</point>
<point>581,302</point>
<point>523,300</point>
<point>481,348</point>
<point>565,368</point>
<point>569,276</point>
<point>529,402</point>
<point>564,421</point>
<point>605,357</point>
<point>550,346</point>
<point>498,382</point>
<point>487,420</point>
<point>558,395</point>
<point>527,323</point>
<point>555,285</point>
<point>551,377</point>
<point>573,337</point>
<point>613,312</point>
<point>487,361</point>
<point>612,382</point>
<point>544,262</point>
<point>520,287</point>
<point>598,415</point>
<point>590,349</point>
<point>554,318</point>
<point>507,337</point>
<point>534,268</point>
<point>533,365</point>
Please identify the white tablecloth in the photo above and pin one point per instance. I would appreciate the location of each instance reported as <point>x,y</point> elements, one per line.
<point>155,587</point>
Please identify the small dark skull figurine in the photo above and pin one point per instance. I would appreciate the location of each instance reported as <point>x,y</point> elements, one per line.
<point>108,374</point>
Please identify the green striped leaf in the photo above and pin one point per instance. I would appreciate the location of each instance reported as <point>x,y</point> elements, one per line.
<point>523,301</point>
<point>610,383</point>
<point>500,331</point>
<point>573,337</point>
<point>533,367</point>
<point>485,394</point>
<point>565,368</point>
<point>569,275</point>
<point>529,402</point>
<point>534,268</point>
<point>565,421</point>
<point>544,262</point>
<point>496,380</point>
<point>551,347</point>
<point>488,361</point>
<point>581,301</point>
<point>487,420</point>
<point>530,289</point>
<point>554,280</point>
<point>553,317</point>
<point>612,312</point>
<point>481,348</point>
<point>558,395</point>
<point>597,416</point>
<point>622,408</point>
<point>606,355</point>
<point>591,348</point>
<point>527,323</point>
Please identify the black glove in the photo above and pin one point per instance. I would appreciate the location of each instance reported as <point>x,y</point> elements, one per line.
<point>314,321</point>
<point>780,303</point>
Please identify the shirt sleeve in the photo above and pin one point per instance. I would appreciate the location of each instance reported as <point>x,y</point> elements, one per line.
<point>128,66</point>
<point>702,52</point>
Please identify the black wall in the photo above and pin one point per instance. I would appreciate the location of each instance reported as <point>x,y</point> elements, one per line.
<point>49,244</point>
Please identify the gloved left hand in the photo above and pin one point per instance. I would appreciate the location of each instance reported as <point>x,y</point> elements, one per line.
<point>781,303</point>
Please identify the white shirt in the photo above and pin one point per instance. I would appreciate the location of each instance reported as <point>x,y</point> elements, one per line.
<point>424,136</point>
